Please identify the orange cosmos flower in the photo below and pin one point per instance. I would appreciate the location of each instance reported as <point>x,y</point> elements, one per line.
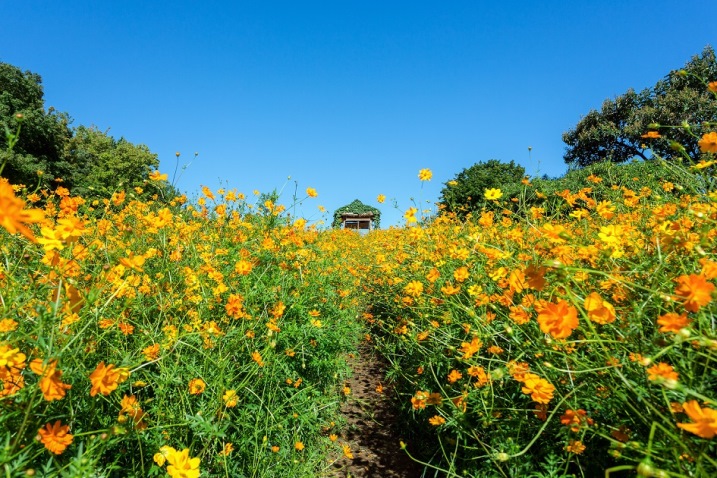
<point>235,306</point>
<point>133,262</point>
<point>599,311</point>
<point>712,86</point>
<point>651,135</point>
<point>130,408</point>
<point>347,451</point>
<point>575,446</point>
<point>278,310</point>
<point>705,420</point>
<point>671,322</point>
<point>105,379</point>
<point>461,274</point>
<point>414,288</point>
<point>151,352</point>
<point>575,419</point>
<point>558,320</point>
<point>55,437</point>
<point>454,376</point>
<point>470,349</point>
<point>436,420</point>
<point>196,386</point>
<point>243,267</point>
<point>518,370</point>
<point>539,389</point>
<point>256,357</point>
<point>708,143</point>
<point>7,325</point>
<point>299,446</point>
<point>662,371</point>
<point>709,268</point>
<point>694,290</point>
<point>419,400</point>
<point>50,380</point>
<point>13,215</point>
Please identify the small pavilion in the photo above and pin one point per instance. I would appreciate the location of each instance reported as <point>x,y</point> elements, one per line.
<point>357,216</point>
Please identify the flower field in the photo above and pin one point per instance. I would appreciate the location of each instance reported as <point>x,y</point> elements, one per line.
<point>569,334</point>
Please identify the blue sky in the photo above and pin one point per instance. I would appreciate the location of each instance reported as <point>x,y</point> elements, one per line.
<point>350,98</point>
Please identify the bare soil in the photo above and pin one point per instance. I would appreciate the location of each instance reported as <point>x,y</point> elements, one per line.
<point>372,427</point>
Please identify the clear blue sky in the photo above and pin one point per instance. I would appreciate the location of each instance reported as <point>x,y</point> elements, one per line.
<point>351,98</point>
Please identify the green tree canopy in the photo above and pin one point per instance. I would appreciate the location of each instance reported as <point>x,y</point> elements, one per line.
<point>43,134</point>
<point>615,133</point>
<point>465,192</point>
<point>104,164</point>
<point>91,163</point>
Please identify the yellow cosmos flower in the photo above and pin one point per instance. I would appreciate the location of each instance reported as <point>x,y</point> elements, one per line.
<point>311,192</point>
<point>493,194</point>
<point>410,215</point>
<point>157,176</point>
<point>196,386</point>
<point>425,174</point>
<point>182,466</point>
<point>230,398</point>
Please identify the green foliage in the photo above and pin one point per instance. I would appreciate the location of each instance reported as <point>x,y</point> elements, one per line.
<point>615,132</point>
<point>465,193</point>
<point>43,133</point>
<point>103,164</point>
<point>46,150</point>
<point>357,207</point>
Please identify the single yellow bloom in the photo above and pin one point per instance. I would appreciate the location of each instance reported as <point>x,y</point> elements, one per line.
<point>182,466</point>
<point>230,398</point>
<point>425,174</point>
<point>493,194</point>
<point>157,176</point>
<point>410,215</point>
<point>196,386</point>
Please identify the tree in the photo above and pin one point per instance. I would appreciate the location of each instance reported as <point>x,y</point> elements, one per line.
<point>465,192</point>
<point>615,133</point>
<point>103,164</point>
<point>43,134</point>
<point>89,162</point>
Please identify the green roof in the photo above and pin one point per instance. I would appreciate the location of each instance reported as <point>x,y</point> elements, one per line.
<point>357,207</point>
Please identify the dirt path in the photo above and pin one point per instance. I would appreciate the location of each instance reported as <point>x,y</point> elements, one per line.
<point>372,428</point>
